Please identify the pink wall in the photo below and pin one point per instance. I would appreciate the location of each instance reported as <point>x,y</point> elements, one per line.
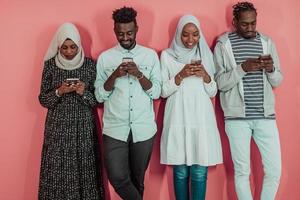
<point>26,30</point>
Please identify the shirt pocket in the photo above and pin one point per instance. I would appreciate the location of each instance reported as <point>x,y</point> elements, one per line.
<point>109,71</point>
<point>146,70</point>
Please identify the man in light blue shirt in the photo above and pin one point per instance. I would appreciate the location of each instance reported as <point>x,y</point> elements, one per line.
<point>128,79</point>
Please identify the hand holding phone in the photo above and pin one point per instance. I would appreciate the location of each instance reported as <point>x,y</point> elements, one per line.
<point>69,85</point>
<point>267,62</point>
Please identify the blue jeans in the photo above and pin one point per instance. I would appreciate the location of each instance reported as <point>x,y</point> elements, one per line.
<point>181,175</point>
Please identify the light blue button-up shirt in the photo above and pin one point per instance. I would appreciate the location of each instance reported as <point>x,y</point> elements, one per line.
<point>128,107</point>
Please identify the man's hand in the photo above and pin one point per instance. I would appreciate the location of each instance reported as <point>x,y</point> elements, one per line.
<point>267,63</point>
<point>133,70</point>
<point>120,71</point>
<point>252,64</point>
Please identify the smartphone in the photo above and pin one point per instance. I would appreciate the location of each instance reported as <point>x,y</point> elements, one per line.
<point>127,59</point>
<point>72,81</point>
<point>196,61</point>
<point>264,56</point>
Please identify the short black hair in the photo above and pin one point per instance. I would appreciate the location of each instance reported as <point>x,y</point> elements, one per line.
<point>242,7</point>
<point>124,15</point>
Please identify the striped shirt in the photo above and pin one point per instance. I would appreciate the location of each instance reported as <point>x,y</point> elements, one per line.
<point>244,49</point>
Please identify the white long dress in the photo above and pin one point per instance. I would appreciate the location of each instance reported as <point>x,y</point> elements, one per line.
<point>190,134</point>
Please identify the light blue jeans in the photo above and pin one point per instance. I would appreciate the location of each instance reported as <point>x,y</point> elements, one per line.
<point>266,137</point>
<point>198,174</point>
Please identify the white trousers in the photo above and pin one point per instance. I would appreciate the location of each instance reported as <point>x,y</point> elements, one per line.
<point>266,137</point>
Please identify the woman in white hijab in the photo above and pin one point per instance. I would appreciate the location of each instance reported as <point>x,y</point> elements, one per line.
<point>190,139</point>
<point>70,154</point>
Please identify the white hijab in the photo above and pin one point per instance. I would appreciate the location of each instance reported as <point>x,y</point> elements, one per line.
<point>201,51</point>
<point>67,30</point>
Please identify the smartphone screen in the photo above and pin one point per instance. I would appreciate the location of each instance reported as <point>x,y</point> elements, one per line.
<point>196,61</point>
<point>127,59</point>
<point>72,81</point>
<point>264,56</point>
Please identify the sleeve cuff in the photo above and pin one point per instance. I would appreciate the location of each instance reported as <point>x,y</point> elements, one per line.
<point>85,95</point>
<point>154,91</point>
<point>271,74</point>
<point>211,88</point>
<point>105,92</point>
<point>208,84</point>
<point>101,94</point>
<point>173,84</point>
<point>240,70</point>
<point>150,91</point>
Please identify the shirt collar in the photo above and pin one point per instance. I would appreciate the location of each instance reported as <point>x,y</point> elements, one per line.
<point>125,51</point>
<point>257,36</point>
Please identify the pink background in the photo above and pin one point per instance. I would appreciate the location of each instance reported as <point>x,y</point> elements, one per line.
<point>26,30</point>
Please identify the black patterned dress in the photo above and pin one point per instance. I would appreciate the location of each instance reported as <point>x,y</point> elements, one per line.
<point>70,167</point>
